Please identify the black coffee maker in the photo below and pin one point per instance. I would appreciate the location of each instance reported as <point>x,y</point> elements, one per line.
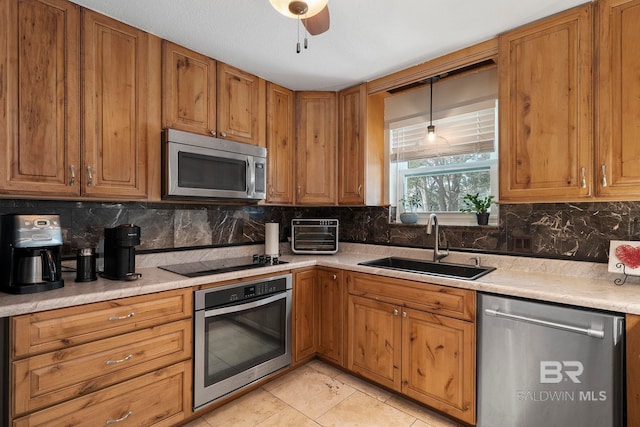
<point>30,247</point>
<point>120,252</point>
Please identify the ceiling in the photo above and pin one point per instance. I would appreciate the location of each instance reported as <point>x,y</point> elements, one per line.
<point>367,38</point>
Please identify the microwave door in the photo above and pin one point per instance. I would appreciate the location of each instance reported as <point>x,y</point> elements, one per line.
<point>204,172</point>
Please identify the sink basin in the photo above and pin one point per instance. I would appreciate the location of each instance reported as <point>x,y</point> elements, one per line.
<point>457,271</point>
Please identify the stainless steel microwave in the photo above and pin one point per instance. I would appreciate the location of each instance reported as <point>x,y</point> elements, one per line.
<point>204,167</point>
<point>314,236</point>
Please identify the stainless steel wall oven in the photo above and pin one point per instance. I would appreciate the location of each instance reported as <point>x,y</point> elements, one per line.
<point>242,333</point>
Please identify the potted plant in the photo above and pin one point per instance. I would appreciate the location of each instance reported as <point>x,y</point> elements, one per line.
<point>410,202</point>
<point>479,205</point>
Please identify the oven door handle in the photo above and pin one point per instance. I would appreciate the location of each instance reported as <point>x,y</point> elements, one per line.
<point>245,306</point>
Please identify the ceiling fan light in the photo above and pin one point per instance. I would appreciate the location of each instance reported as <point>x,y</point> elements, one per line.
<point>313,7</point>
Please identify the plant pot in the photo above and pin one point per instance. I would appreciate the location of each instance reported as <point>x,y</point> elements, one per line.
<point>409,217</point>
<point>483,218</point>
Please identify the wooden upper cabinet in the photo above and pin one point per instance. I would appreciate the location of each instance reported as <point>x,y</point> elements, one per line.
<point>546,120</point>
<point>280,145</point>
<point>316,169</point>
<point>360,147</point>
<point>618,107</point>
<point>239,109</point>
<point>114,101</point>
<point>39,97</point>
<point>188,90</point>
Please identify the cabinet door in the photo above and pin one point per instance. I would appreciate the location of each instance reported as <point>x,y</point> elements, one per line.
<point>39,97</point>
<point>546,120</point>
<point>331,313</point>
<point>618,85</point>
<point>114,108</point>
<point>238,105</point>
<point>305,315</point>
<point>280,144</point>
<point>189,90</point>
<point>374,340</point>
<point>632,346</point>
<point>352,135</point>
<point>316,148</point>
<point>438,367</point>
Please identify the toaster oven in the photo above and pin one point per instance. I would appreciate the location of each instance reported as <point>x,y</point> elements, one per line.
<point>314,236</point>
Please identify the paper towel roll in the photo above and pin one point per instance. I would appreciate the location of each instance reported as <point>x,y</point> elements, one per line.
<point>272,239</point>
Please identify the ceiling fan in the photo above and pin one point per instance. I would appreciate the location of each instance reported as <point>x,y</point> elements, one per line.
<point>314,15</point>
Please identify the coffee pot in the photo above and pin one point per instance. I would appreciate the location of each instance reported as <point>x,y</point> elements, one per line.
<point>30,247</point>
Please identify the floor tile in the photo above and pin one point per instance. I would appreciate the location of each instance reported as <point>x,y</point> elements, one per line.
<point>311,392</point>
<point>247,411</point>
<point>365,387</point>
<point>200,422</point>
<point>324,368</point>
<point>360,410</point>
<point>420,412</point>
<point>288,417</point>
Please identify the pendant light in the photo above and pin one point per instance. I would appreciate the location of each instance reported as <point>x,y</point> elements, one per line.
<point>431,129</point>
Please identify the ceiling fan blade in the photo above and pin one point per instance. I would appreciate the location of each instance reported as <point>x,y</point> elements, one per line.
<point>319,23</point>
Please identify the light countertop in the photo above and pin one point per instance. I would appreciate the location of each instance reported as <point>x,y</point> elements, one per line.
<point>569,282</point>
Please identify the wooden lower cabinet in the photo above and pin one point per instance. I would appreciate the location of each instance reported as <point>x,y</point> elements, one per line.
<point>424,355</point>
<point>127,359</point>
<point>330,315</point>
<point>304,315</point>
<point>159,398</point>
<point>633,369</point>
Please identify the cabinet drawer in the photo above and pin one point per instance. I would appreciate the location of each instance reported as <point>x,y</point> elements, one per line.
<point>56,329</point>
<point>452,302</point>
<point>52,377</point>
<point>160,398</point>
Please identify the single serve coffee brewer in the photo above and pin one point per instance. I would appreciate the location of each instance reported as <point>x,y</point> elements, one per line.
<point>120,252</point>
<point>30,247</point>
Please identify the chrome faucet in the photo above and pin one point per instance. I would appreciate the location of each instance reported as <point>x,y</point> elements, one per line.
<point>437,253</point>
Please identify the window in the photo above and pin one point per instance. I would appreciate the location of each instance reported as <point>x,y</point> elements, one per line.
<point>463,157</point>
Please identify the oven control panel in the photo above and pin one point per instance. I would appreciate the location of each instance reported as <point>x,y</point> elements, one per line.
<point>216,297</point>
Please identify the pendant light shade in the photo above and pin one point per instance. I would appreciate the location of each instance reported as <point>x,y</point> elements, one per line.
<point>431,129</point>
<point>297,9</point>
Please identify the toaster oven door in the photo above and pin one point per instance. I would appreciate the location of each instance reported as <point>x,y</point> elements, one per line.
<point>314,239</point>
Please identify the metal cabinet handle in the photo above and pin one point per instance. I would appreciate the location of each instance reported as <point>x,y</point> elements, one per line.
<point>119,420</point>
<point>72,181</point>
<point>271,190</point>
<point>404,314</point>
<point>584,178</point>
<point>395,312</point>
<point>299,190</point>
<point>335,276</point>
<point>89,176</point>
<point>213,133</point>
<point>569,328</point>
<point>360,190</point>
<point>128,316</point>
<point>223,134</point>
<point>115,362</point>
<point>603,181</point>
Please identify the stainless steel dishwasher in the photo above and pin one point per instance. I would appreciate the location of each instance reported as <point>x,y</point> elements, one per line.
<point>543,364</point>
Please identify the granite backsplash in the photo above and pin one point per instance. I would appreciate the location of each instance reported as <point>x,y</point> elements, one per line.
<point>578,231</point>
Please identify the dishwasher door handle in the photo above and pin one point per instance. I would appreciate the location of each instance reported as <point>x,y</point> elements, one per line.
<point>585,331</point>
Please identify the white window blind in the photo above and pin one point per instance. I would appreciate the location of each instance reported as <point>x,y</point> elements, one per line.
<point>467,133</point>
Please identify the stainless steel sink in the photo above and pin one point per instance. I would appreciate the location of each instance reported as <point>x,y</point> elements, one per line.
<point>445,269</point>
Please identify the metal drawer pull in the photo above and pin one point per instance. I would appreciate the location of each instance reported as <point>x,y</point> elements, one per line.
<point>583,183</point>
<point>584,331</point>
<point>90,177</point>
<point>73,175</point>
<point>128,316</point>
<point>603,182</point>
<point>119,420</point>
<point>115,362</point>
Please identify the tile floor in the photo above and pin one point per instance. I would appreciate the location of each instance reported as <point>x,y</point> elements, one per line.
<point>317,394</point>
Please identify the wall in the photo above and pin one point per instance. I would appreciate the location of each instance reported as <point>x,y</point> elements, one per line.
<point>572,231</point>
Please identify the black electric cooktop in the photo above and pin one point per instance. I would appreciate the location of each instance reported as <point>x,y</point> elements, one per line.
<point>206,268</point>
